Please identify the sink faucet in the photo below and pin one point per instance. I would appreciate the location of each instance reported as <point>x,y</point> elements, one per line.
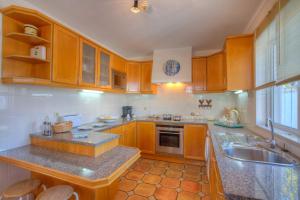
<point>273,142</point>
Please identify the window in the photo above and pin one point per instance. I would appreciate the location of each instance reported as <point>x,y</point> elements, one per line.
<point>278,68</point>
<point>280,103</point>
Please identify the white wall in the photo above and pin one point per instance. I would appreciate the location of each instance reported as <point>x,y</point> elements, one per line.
<point>177,99</point>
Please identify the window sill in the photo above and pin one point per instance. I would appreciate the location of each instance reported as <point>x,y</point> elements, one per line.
<point>289,136</point>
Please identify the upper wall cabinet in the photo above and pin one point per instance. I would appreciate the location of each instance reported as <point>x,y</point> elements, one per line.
<point>65,56</point>
<point>239,62</point>
<point>88,63</point>
<point>133,77</point>
<point>104,72</point>
<point>18,64</point>
<point>216,73</point>
<point>118,63</point>
<point>146,79</point>
<point>199,74</point>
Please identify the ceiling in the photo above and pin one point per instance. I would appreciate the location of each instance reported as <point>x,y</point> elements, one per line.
<point>202,24</point>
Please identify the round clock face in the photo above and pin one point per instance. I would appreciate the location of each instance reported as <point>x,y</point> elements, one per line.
<point>172,67</point>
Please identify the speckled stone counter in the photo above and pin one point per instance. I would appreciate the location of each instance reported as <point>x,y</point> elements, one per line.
<point>80,166</point>
<point>248,180</point>
<point>98,136</point>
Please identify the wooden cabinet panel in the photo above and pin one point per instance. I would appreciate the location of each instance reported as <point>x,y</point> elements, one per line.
<point>118,63</point>
<point>120,131</point>
<point>88,63</point>
<point>146,137</point>
<point>133,77</point>
<point>199,74</point>
<point>104,69</point>
<point>146,76</point>
<point>194,141</point>
<point>216,74</point>
<point>239,62</point>
<point>65,56</point>
<point>130,134</point>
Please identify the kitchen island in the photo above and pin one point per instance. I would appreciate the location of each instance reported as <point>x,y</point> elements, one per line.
<point>54,161</point>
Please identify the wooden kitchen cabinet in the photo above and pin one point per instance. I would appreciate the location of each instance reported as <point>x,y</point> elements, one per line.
<point>104,69</point>
<point>146,137</point>
<point>133,70</point>
<point>146,78</point>
<point>118,63</point>
<point>216,73</point>
<point>194,141</point>
<point>88,63</point>
<point>65,56</point>
<point>199,74</point>
<point>130,134</point>
<point>120,131</point>
<point>239,53</point>
<point>215,181</point>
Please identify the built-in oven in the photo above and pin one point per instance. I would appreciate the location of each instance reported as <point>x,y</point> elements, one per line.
<point>118,80</point>
<point>169,138</point>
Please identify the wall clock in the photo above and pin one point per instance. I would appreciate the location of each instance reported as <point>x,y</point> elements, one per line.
<point>171,67</point>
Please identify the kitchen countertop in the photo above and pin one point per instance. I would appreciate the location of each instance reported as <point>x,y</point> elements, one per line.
<point>98,136</point>
<point>83,167</point>
<point>249,180</point>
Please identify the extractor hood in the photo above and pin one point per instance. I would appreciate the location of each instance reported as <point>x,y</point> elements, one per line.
<point>172,65</point>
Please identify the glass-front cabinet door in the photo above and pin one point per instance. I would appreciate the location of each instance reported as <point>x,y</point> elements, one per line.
<point>105,71</point>
<point>88,63</point>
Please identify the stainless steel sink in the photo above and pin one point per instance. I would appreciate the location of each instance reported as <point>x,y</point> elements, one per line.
<point>255,154</point>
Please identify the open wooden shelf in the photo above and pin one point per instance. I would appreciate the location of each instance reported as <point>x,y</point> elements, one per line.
<point>31,39</point>
<point>25,80</point>
<point>27,59</point>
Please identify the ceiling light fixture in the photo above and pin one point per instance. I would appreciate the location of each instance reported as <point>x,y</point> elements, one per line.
<point>135,8</point>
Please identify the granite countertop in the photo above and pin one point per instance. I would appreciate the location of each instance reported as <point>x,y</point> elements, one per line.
<point>249,180</point>
<point>98,136</point>
<point>85,167</point>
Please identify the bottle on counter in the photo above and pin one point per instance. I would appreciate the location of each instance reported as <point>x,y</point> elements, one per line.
<point>47,127</point>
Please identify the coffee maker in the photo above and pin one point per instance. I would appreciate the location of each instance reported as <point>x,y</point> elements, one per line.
<point>126,110</point>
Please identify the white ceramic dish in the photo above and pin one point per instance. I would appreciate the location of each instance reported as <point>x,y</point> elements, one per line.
<point>98,125</point>
<point>85,128</point>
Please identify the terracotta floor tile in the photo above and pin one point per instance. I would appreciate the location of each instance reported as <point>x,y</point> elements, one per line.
<point>147,161</point>
<point>191,176</point>
<point>165,194</point>
<point>135,175</point>
<point>170,182</point>
<point>145,190</point>
<point>190,186</point>
<point>142,167</point>
<point>152,179</point>
<point>188,196</point>
<point>176,166</point>
<point>120,195</point>
<point>193,168</point>
<point>127,185</point>
<point>157,170</point>
<point>171,173</point>
<point>136,197</point>
<point>161,164</point>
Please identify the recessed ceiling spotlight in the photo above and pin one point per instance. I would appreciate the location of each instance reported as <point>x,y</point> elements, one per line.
<point>135,8</point>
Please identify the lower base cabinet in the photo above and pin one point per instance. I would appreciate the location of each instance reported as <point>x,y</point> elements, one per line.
<point>194,141</point>
<point>146,137</point>
<point>119,131</point>
<point>215,182</point>
<point>130,134</point>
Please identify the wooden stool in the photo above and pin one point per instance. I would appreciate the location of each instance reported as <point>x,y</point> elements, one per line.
<point>60,192</point>
<point>21,189</point>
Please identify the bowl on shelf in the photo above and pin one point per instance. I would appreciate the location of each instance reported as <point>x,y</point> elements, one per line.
<point>30,29</point>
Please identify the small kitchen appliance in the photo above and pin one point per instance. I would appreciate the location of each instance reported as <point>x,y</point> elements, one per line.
<point>127,111</point>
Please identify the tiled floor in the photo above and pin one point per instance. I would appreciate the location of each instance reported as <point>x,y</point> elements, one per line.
<point>151,179</point>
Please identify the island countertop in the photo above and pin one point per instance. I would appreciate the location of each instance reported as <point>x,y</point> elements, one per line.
<point>89,172</point>
<point>249,180</point>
